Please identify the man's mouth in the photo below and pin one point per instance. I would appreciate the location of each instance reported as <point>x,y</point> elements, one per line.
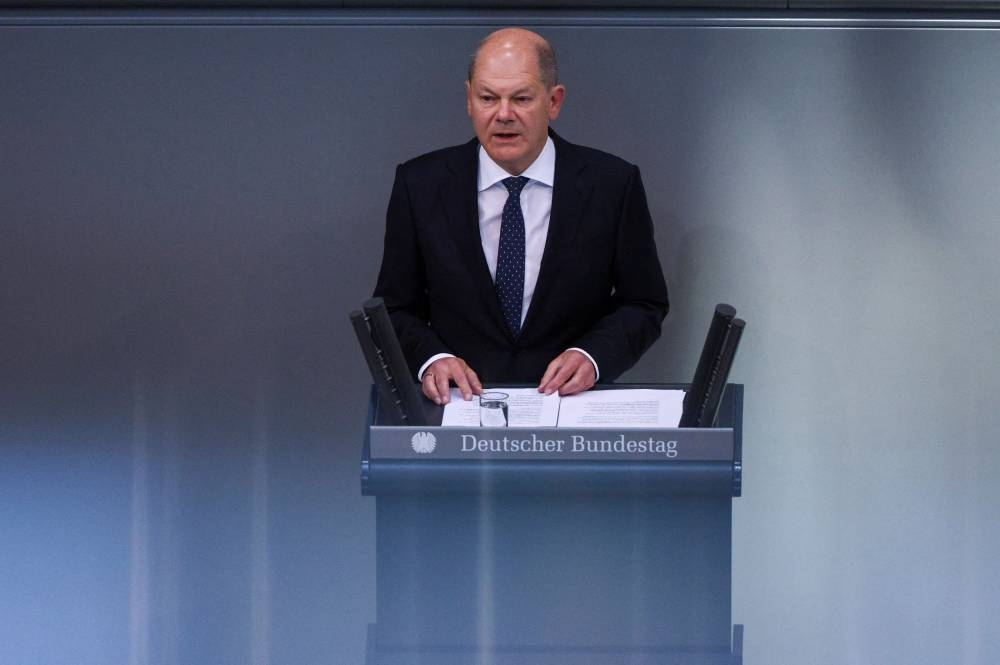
<point>506,136</point>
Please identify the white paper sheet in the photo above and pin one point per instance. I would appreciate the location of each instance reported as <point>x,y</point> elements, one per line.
<point>632,407</point>
<point>526,407</point>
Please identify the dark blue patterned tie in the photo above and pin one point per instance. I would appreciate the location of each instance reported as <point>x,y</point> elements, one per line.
<point>510,258</point>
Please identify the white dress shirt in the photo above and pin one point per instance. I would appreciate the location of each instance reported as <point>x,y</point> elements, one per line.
<point>536,207</point>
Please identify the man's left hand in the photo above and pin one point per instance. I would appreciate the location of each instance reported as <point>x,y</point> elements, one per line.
<point>570,373</point>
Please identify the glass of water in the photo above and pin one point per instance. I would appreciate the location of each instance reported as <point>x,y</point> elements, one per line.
<point>493,409</point>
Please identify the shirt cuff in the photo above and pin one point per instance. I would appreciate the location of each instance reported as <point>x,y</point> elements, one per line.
<point>593,362</point>
<point>439,356</point>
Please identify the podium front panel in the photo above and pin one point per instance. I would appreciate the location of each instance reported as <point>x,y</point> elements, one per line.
<point>558,555</point>
<point>550,571</point>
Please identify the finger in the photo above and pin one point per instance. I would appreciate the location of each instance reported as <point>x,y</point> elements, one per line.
<point>561,376</point>
<point>550,372</point>
<point>571,387</point>
<point>574,384</point>
<point>474,382</point>
<point>583,379</point>
<point>441,382</point>
<point>462,383</point>
<point>429,388</point>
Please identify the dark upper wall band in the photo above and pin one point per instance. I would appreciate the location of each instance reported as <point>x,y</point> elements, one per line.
<point>896,5</point>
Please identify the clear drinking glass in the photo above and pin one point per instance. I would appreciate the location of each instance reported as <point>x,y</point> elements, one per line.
<point>493,409</point>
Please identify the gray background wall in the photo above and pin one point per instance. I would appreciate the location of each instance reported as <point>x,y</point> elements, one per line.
<point>189,206</point>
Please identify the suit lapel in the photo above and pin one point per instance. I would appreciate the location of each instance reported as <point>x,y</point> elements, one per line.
<point>570,193</point>
<point>461,203</point>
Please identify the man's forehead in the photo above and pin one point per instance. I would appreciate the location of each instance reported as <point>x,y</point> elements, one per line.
<point>507,73</point>
<point>509,84</point>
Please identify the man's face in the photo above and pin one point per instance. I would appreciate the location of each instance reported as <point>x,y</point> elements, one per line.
<point>509,105</point>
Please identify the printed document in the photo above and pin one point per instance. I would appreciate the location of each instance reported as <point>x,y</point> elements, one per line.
<point>628,407</point>
<point>526,408</point>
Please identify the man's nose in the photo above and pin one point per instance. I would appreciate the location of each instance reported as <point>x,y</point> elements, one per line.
<point>504,113</point>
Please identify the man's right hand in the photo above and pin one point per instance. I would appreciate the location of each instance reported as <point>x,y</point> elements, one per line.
<point>442,373</point>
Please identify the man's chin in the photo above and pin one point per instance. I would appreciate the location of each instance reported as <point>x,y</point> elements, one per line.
<point>506,155</point>
<point>507,148</point>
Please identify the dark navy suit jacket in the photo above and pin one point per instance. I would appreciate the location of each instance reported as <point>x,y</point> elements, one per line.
<point>600,286</point>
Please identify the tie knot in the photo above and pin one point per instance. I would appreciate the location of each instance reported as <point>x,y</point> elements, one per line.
<point>515,184</point>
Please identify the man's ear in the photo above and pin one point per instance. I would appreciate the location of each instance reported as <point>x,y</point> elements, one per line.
<point>468,98</point>
<point>557,94</point>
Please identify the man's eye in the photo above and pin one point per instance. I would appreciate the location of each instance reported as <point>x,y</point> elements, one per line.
<point>486,98</point>
<point>522,99</point>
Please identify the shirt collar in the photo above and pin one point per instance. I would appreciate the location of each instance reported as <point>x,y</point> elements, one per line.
<point>542,170</point>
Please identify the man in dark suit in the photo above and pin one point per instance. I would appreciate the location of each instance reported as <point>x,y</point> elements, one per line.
<point>519,257</point>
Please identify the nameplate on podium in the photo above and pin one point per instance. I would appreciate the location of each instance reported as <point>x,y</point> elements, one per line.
<point>552,443</point>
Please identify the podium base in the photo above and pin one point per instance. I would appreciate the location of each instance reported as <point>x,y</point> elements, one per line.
<point>549,655</point>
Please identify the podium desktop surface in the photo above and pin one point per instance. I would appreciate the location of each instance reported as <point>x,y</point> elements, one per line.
<point>705,461</point>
